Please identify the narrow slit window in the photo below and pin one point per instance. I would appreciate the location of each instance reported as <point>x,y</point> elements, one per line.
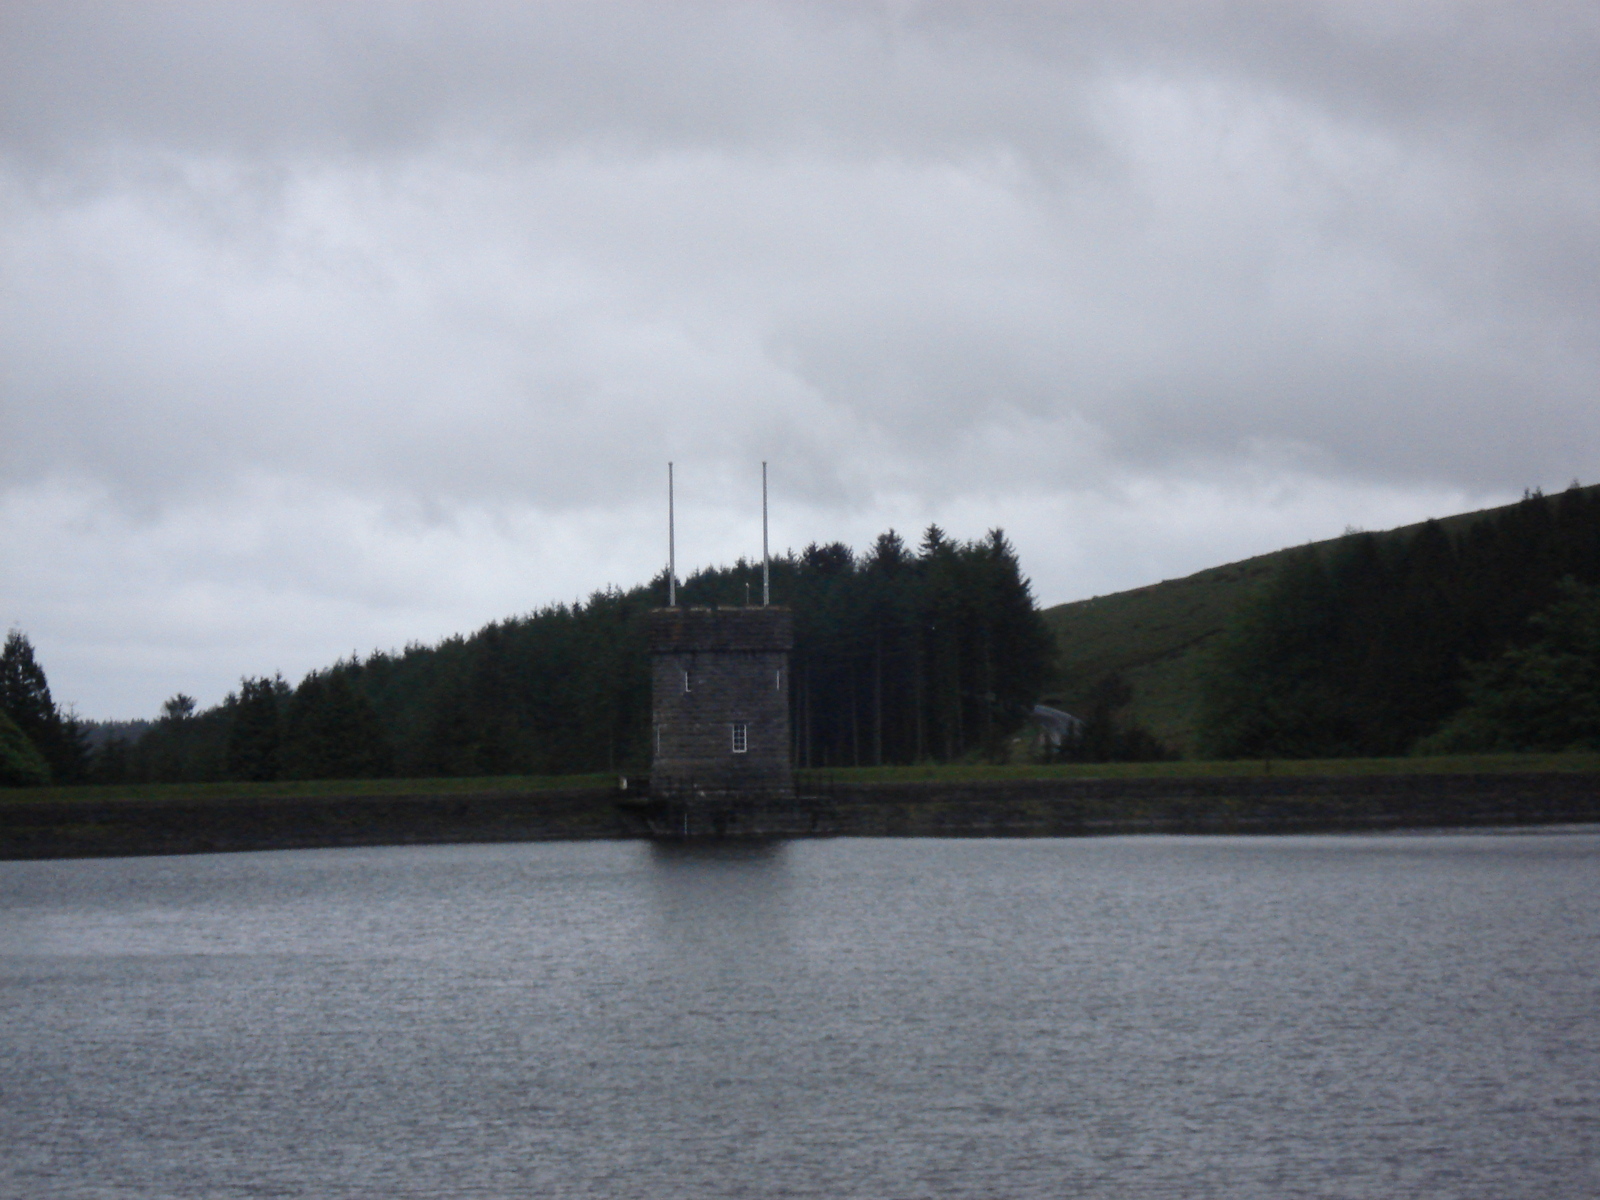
<point>686,681</point>
<point>741,737</point>
<point>777,681</point>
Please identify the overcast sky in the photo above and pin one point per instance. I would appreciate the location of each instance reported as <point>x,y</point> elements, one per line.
<point>333,327</point>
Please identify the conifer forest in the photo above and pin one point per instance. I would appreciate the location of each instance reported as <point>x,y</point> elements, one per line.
<point>1486,638</point>
<point>901,655</point>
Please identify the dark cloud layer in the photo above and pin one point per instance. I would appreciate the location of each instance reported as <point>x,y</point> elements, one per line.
<point>325,325</point>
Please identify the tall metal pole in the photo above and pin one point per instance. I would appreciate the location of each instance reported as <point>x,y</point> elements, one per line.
<point>672,547</point>
<point>766,574</point>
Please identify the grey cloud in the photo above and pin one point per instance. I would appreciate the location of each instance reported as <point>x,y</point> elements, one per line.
<point>477,265</point>
<point>262,77</point>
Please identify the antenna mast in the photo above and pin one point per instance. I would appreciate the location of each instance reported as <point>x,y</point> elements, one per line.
<point>672,547</point>
<point>766,577</point>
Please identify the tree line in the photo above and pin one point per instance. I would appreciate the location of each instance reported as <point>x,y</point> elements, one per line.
<point>1486,637</point>
<point>901,655</point>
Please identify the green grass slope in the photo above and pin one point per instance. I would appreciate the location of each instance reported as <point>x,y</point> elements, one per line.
<point>1157,637</point>
<point>1160,637</point>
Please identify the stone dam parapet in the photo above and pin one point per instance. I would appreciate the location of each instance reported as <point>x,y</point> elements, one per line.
<point>49,828</point>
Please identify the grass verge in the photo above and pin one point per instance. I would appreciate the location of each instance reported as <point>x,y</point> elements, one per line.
<point>1464,764</point>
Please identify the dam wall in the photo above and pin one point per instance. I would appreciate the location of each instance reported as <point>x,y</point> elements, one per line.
<point>1210,804</point>
<point>84,827</point>
<point>92,827</point>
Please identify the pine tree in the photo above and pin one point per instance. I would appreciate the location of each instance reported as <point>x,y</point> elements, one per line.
<point>21,764</point>
<point>256,735</point>
<point>333,732</point>
<point>1541,696</point>
<point>25,698</point>
<point>24,691</point>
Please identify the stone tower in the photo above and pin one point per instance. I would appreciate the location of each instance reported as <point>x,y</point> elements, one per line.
<point>720,703</point>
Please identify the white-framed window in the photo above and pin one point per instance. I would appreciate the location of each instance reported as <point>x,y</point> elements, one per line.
<point>741,737</point>
<point>686,679</point>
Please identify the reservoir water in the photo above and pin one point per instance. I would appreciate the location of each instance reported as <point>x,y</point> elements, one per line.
<point>1341,1016</point>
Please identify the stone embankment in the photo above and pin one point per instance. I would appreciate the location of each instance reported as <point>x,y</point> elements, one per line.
<point>1028,808</point>
<point>115,826</point>
<point>1210,804</point>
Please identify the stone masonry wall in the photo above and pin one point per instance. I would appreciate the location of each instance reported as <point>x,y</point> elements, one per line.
<point>710,669</point>
<point>113,822</point>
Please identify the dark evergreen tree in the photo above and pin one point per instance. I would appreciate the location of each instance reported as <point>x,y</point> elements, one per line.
<point>332,731</point>
<point>1541,696</point>
<point>1014,647</point>
<point>112,762</point>
<point>1107,733</point>
<point>1275,691</point>
<point>890,633</point>
<point>183,746</point>
<point>255,735</point>
<point>25,698</point>
<point>24,691</point>
<point>21,764</point>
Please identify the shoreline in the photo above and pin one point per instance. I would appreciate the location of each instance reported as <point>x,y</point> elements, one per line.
<point>89,826</point>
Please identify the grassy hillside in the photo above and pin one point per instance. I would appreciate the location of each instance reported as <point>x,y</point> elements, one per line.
<point>1157,637</point>
<point>1160,636</point>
